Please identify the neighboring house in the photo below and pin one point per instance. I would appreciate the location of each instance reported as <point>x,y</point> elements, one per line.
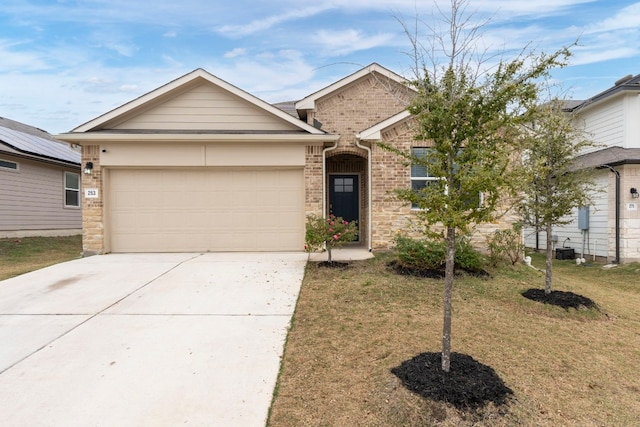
<point>200,165</point>
<point>39,183</point>
<point>611,229</point>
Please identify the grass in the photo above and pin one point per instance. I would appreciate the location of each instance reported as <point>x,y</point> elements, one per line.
<point>566,368</point>
<point>21,255</point>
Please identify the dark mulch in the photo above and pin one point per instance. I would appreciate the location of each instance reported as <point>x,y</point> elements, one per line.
<point>562,299</point>
<point>333,264</point>
<point>468,385</point>
<point>432,273</point>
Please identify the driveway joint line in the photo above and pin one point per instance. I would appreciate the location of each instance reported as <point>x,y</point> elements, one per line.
<point>96,314</point>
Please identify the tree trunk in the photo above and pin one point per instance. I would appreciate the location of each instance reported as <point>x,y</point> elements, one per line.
<point>547,280</point>
<point>329,253</point>
<point>448,289</point>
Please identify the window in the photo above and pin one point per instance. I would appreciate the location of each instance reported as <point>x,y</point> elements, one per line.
<point>6,164</point>
<point>71,189</point>
<point>420,177</point>
<point>343,185</point>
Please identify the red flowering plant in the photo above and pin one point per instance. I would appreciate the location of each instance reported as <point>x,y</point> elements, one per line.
<point>328,233</point>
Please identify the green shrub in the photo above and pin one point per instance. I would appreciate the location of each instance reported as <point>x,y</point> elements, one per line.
<point>328,233</point>
<point>420,253</point>
<point>431,254</point>
<point>505,245</point>
<point>467,257</point>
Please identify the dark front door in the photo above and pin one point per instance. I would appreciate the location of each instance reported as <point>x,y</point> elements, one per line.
<point>343,197</point>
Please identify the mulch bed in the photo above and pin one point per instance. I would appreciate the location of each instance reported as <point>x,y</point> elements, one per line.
<point>333,264</point>
<point>431,273</point>
<point>562,299</point>
<point>468,385</point>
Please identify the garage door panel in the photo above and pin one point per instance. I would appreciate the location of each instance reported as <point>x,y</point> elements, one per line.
<point>206,210</point>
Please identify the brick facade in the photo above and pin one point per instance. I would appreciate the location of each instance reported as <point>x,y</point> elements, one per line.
<point>346,112</point>
<point>353,109</point>
<point>92,209</point>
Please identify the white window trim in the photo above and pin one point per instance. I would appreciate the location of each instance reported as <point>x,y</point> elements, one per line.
<point>71,189</point>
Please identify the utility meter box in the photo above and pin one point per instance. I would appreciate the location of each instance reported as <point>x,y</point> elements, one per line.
<point>583,218</point>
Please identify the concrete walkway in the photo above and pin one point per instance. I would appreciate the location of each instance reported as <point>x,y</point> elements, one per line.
<point>146,340</point>
<point>345,253</point>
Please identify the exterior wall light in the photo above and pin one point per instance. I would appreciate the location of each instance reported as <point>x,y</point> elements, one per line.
<point>88,168</point>
<point>634,193</point>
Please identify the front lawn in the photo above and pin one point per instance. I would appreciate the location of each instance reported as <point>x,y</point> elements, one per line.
<point>21,255</point>
<point>565,367</point>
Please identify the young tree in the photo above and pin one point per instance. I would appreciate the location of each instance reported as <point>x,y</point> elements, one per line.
<point>470,114</point>
<point>552,183</point>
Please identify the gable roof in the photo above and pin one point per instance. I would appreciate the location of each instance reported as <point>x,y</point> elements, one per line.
<point>177,85</point>
<point>309,103</point>
<point>374,133</point>
<point>625,84</point>
<point>30,142</point>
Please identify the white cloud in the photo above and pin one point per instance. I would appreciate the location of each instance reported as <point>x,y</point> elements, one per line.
<point>626,18</point>
<point>170,34</point>
<point>344,42</point>
<point>14,60</point>
<point>270,21</point>
<point>238,51</point>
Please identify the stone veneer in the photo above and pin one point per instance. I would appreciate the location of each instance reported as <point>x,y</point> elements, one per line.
<point>92,209</point>
<point>629,218</point>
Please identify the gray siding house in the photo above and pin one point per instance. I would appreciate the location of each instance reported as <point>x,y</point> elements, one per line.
<point>40,192</point>
<point>611,229</point>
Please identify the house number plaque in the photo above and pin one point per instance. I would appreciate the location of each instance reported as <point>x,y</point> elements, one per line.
<point>91,193</point>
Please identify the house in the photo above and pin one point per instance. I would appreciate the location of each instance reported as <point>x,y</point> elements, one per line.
<point>201,165</point>
<point>610,228</point>
<point>39,183</point>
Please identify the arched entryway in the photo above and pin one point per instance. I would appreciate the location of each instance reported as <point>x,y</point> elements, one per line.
<point>347,195</point>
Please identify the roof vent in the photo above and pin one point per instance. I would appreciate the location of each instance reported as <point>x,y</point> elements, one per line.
<point>623,80</point>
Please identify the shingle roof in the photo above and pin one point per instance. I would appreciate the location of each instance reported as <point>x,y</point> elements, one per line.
<point>35,142</point>
<point>627,83</point>
<point>611,156</point>
<point>288,107</point>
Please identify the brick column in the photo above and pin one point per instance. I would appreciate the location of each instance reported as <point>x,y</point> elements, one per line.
<point>92,208</point>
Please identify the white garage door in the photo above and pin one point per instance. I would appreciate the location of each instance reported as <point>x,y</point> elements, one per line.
<point>206,210</point>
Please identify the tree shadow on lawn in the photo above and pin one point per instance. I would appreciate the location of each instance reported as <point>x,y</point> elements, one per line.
<point>468,385</point>
<point>562,299</point>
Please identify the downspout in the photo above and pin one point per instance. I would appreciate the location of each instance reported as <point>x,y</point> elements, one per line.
<point>369,204</point>
<point>324,177</point>
<point>617,260</point>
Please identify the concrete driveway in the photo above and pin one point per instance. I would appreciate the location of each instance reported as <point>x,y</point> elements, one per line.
<point>146,339</point>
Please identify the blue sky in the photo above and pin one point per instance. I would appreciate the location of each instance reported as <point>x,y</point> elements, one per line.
<point>64,62</point>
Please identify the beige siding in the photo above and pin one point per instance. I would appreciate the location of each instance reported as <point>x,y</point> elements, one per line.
<point>205,107</point>
<point>632,124</point>
<point>32,198</point>
<point>605,125</point>
<point>193,154</point>
<point>206,209</point>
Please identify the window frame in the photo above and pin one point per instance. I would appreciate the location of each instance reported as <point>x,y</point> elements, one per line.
<point>6,168</point>
<point>425,178</point>
<point>71,189</point>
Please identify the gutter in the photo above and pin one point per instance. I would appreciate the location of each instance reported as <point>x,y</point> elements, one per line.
<point>324,177</point>
<point>369,207</point>
<point>617,260</point>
